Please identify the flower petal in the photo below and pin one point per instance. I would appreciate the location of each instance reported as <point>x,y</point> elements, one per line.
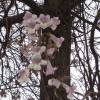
<point>55,22</point>
<point>70,90</point>
<point>50,51</point>
<point>54,82</point>
<point>50,70</point>
<point>57,41</point>
<point>27,15</point>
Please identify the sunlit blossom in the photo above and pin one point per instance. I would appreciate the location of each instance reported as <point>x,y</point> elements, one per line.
<point>36,67</point>
<point>54,82</point>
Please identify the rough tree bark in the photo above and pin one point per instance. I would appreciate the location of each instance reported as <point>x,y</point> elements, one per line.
<point>62,9</point>
<point>62,61</point>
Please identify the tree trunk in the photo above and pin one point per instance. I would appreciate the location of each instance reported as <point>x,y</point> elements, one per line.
<point>62,58</point>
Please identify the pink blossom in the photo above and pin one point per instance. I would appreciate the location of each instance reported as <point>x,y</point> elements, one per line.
<point>55,21</point>
<point>44,21</point>
<point>54,82</point>
<point>44,18</point>
<point>30,22</point>
<point>37,66</point>
<point>23,75</point>
<point>50,51</point>
<point>50,70</point>
<point>36,58</point>
<point>57,41</point>
<point>69,90</point>
<point>39,49</point>
<point>27,15</point>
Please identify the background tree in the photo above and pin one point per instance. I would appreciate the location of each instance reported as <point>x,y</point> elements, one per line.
<point>78,26</point>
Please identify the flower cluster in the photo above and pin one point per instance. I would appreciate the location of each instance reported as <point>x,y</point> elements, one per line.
<point>34,55</point>
<point>33,25</point>
<point>70,90</point>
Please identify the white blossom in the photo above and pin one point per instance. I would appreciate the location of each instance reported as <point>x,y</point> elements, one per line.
<point>54,82</point>
<point>36,67</point>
